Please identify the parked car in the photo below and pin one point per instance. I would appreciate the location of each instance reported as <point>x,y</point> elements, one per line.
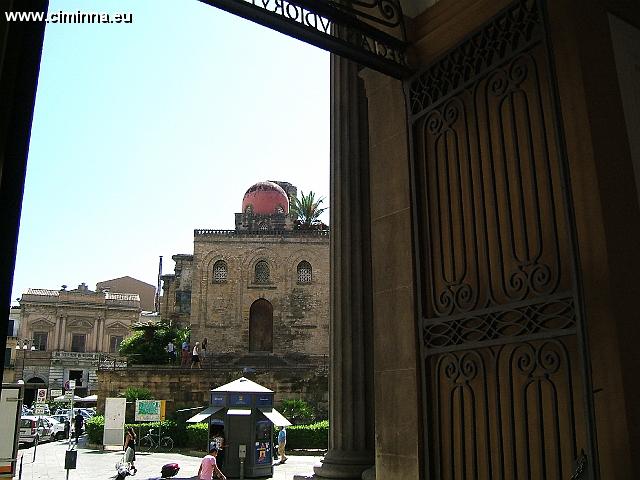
<point>34,430</point>
<point>58,429</point>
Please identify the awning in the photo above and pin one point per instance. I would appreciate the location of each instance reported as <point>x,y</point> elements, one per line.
<point>275,416</point>
<point>203,415</point>
<point>239,411</point>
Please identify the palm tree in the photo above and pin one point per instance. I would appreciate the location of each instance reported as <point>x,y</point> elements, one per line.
<point>305,210</point>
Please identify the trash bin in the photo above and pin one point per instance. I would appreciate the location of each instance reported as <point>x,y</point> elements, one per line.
<point>70,458</point>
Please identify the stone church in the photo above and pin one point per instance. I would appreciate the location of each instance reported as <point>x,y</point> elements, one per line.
<point>259,293</point>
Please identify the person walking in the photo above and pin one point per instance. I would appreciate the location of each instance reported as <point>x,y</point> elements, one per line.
<point>203,347</point>
<point>195,355</point>
<point>78,423</point>
<point>209,465</point>
<point>171,350</point>
<point>282,442</point>
<point>186,350</point>
<point>130,442</point>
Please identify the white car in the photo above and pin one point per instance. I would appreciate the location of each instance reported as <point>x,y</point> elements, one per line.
<point>57,428</point>
<point>34,429</point>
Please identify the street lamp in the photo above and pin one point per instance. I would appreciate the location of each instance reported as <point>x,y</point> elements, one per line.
<point>24,346</point>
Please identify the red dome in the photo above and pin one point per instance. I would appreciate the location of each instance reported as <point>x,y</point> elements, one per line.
<point>266,198</point>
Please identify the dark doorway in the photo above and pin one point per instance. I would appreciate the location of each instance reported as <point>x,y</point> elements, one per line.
<point>261,326</point>
<point>30,389</point>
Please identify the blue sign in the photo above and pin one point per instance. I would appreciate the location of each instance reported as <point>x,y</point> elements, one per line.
<point>264,401</point>
<point>241,400</point>
<point>218,400</point>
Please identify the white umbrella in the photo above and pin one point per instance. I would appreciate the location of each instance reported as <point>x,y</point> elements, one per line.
<point>62,398</point>
<point>90,398</point>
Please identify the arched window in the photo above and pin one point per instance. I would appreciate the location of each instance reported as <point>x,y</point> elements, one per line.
<point>262,272</point>
<point>304,272</point>
<point>263,227</point>
<point>220,271</point>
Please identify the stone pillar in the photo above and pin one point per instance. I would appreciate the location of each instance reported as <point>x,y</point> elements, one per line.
<point>351,396</point>
<point>63,333</point>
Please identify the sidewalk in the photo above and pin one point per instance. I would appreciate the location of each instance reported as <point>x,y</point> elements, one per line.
<point>100,465</point>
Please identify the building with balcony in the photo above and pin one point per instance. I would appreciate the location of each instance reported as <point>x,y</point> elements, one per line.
<point>65,331</point>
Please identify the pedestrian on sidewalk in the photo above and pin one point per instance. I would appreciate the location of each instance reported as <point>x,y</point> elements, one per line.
<point>171,350</point>
<point>209,465</point>
<point>282,442</point>
<point>195,355</point>
<point>203,347</point>
<point>186,353</point>
<point>130,442</point>
<point>78,422</point>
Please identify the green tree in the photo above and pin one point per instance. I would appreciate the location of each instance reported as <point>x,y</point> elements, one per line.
<point>148,342</point>
<point>306,209</point>
<point>297,411</point>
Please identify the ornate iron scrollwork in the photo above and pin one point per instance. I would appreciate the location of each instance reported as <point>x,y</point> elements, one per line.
<point>370,32</point>
<point>500,312</point>
<point>580,470</point>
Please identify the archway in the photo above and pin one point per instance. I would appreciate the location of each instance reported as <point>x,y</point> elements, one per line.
<point>30,388</point>
<point>261,326</point>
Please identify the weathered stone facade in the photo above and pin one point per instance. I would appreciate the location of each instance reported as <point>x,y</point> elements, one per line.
<point>187,388</point>
<point>247,283</point>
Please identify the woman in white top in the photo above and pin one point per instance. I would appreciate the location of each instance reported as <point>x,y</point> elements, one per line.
<point>195,355</point>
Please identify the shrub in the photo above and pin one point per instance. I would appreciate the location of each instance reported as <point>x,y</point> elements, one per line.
<point>315,435</point>
<point>95,430</point>
<point>136,393</point>
<point>197,435</point>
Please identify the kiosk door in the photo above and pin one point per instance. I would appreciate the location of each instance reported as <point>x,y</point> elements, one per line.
<point>238,430</point>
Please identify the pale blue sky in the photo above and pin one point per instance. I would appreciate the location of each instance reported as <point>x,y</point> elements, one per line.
<point>143,132</point>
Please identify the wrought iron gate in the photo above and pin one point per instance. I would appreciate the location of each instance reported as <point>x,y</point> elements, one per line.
<point>506,382</point>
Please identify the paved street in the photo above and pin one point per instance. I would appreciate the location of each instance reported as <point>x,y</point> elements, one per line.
<point>99,465</point>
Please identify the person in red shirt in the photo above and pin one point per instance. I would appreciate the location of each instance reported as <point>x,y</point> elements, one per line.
<point>209,465</point>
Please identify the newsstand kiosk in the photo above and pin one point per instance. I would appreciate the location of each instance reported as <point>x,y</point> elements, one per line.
<point>240,418</point>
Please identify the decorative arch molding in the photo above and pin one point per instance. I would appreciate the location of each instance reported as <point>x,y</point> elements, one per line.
<point>80,324</point>
<point>41,324</point>
<point>295,259</point>
<point>209,260</point>
<point>35,378</point>
<point>117,326</point>
<point>261,254</point>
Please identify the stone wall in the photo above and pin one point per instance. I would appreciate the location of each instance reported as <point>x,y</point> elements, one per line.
<point>220,311</point>
<point>186,388</point>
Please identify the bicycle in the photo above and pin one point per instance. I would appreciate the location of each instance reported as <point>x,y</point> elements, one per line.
<point>148,442</point>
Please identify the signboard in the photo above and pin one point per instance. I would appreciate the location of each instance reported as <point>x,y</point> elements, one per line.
<point>10,411</point>
<point>72,385</point>
<point>240,400</point>
<point>264,400</point>
<point>68,395</point>
<point>55,392</point>
<point>39,409</point>
<point>41,396</point>
<point>150,410</point>
<point>218,400</point>
<point>369,33</point>
<point>114,410</point>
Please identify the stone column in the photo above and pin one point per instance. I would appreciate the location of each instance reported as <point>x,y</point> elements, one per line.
<point>351,396</point>
<point>63,333</point>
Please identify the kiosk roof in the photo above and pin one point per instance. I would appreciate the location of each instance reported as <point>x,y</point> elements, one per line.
<point>243,385</point>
